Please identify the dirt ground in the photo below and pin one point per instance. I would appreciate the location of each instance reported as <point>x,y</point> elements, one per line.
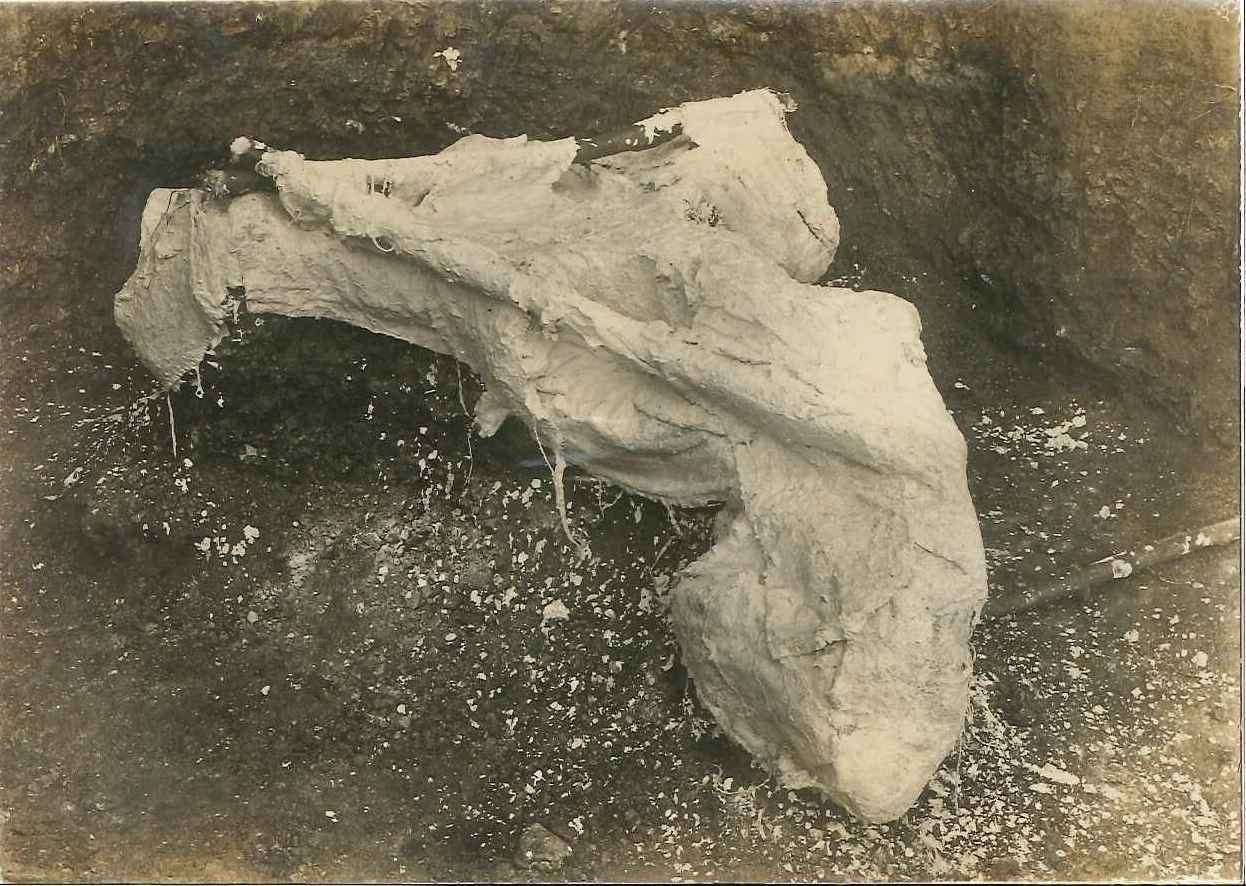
<point>331,638</point>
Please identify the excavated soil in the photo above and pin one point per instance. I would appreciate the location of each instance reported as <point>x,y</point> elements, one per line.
<point>333,638</point>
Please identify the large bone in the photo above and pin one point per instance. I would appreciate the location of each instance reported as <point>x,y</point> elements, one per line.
<point>651,312</point>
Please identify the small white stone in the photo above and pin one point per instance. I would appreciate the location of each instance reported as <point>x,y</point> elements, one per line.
<point>555,611</point>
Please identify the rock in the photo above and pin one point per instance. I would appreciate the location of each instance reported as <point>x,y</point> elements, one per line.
<point>541,849</point>
<point>651,317</point>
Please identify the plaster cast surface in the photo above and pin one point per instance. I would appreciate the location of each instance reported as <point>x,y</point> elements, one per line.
<point>651,316</point>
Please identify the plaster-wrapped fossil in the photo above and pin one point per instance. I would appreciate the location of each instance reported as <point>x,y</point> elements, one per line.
<point>653,312</point>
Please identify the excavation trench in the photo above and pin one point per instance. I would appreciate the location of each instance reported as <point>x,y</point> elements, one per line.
<point>1054,188</point>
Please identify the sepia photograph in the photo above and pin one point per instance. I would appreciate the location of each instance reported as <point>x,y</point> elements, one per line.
<point>780,441</point>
